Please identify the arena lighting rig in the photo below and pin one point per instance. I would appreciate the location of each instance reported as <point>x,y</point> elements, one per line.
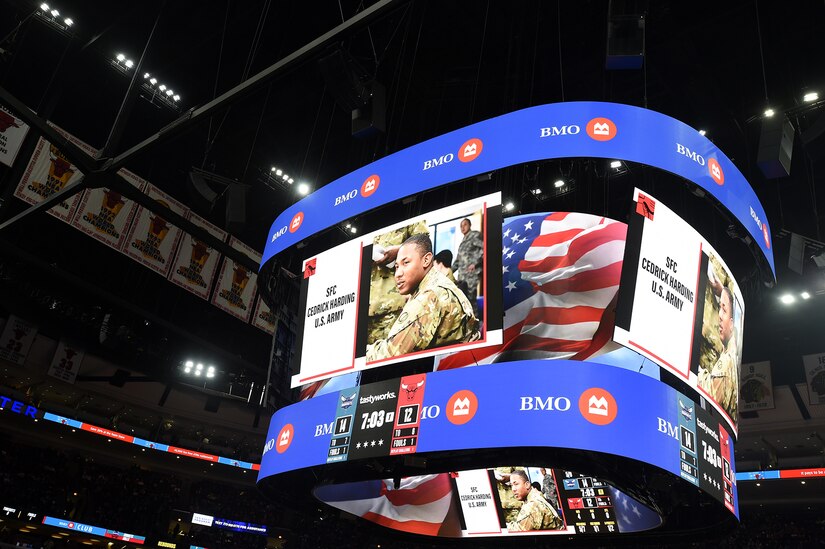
<point>637,320</point>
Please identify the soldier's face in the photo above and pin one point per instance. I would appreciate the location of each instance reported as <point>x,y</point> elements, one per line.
<point>465,227</point>
<point>520,487</point>
<point>410,267</point>
<point>725,318</point>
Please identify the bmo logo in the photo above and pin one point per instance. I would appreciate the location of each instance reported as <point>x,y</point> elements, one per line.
<point>270,444</point>
<point>279,234</point>
<point>284,438</point>
<point>716,172</point>
<point>598,406</point>
<point>601,129</point>
<point>763,227</point>
<point>435,162</point>
<point>470,150</point>
<point>462,407</point>
<point>693,155</point>
<point>555,131</point>
<point>370,185</point>
<point>296,222</point>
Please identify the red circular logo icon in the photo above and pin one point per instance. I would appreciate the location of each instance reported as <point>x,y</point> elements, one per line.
<point>461,407</point>
<point>766,235</point>
<point>716,172</point>
<point>284,438</point>
<point>601,129</point>
<point>470,150</point>
<point>296,222</point>
<point>370,185</point>
<point>598,406</point>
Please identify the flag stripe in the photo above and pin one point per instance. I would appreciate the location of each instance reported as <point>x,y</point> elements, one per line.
<point>564,315</point>
<point>589,280</point>
<point>577,250</point>
<point>427,492</point>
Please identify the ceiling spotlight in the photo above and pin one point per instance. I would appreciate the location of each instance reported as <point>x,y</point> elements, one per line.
<point>69,22</point>
<point>702,132</point>
<point>210,374</point>
<point>616,164</point>
<point>169,92</point>
<point>187,369</point>
<point>769,112</point>
<point>153,81</point>
<point>272,169</point>
<point>559,183</point>
<point>805,295</point>
<point>162,87</point>
<point>278,172</point>
<point>285,177</point>
<point>129,63</point>
<point>509,207</point>
<point>303,189</point>
<point>44,6</point>
<point>120,57</point>
<point>787,299</point>
<point>211,369</point>
<point>197,373</point>
<point>55,13</point>
<point>348,225</point>
<point>537,191</point>
<point>176,98</point>
<point>810,97</point>
<point>353,230</point>
<point>146,75</point>
<point>189,364</point>
<point>290,181</point>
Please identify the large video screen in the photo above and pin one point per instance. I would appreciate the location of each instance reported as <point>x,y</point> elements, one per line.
<point>414,289</point>
<point>679,304</point>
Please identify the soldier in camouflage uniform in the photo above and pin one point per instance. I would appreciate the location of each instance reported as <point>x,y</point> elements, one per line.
<point>385,301</point>
<point>548,488</point>
<point>536,513</point>
<point>509,504</point>
<point>469,261</point>
<point>436,314</point>
<point>722,381</point>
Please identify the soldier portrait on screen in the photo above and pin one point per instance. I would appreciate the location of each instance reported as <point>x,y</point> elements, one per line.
<point>720,355</point>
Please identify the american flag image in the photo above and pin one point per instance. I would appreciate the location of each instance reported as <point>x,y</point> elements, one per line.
<point>418,505</point>
<point>560,279</point>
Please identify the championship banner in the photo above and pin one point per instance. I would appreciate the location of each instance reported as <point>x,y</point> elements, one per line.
<point>236,286</point>
<point>18,336</point>
<point>196,263</point>
<point>48,172</point>
<point>263,317</point>
<point>756,387</point>
<point>105,214</point>
<point>679,304</point>
<point>815,377</point>
<point>12,133</point>
<point>152,240</point>
<point>66,362</point>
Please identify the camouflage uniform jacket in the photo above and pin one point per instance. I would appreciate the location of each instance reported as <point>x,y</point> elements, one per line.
<point>470,252</point>
<point>535,514</point>
<point>724,370</point>
<point>437,314</point>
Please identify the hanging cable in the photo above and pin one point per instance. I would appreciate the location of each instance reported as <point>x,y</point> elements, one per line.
<point>312,134</point>
<point>558,34</point>
<point>480,58</point>
<point>217,79</point>
<point>761,53</point>
<point>257,129</point>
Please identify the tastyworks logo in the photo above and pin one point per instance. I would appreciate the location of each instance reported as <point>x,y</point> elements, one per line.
<point>469,151</point>
<point>598,406</point>
<point>462,407</point>
<point>369,399</point>
<point>601,129</point>
<point>762,227</point>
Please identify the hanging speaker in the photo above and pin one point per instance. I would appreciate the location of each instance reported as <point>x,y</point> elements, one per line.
<point>235,207</point>
<point>370,118</point>
<point>201,189</point>
<point>625,35</point>
<point>775,147</point>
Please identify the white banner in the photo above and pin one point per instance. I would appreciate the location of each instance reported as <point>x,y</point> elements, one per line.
<point>815,376</point>
<point>236,286</point>
<point>18,336</point>
<point>12,133</point>
<point>48,172</point>
<point>152,241</point>
<point>196,263</point>
<point>105,215</point>
<point>264,318</point>
<point>66,362</point>
<point>475,493</point>
<point>756,387</point>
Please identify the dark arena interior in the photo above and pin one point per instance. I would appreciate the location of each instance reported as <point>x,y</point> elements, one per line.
<point>364,274</point>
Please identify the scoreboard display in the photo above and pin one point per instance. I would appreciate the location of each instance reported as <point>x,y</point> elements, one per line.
<point>587,504</point>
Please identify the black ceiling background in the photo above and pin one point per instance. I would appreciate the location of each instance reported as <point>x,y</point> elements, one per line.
<point>445,65</point>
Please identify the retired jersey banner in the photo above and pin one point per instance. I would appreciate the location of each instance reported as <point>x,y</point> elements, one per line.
<point>815,376</point>
<point>264,318</point>
<point>18,336</point>
<point>66,362</point>
<point>196,263</point>
<point>12,133</point>
<point>152,240</point>
<point>48,172</point>
<point>756,387</point>
<point>235,290</point>
<point>105,214</point>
